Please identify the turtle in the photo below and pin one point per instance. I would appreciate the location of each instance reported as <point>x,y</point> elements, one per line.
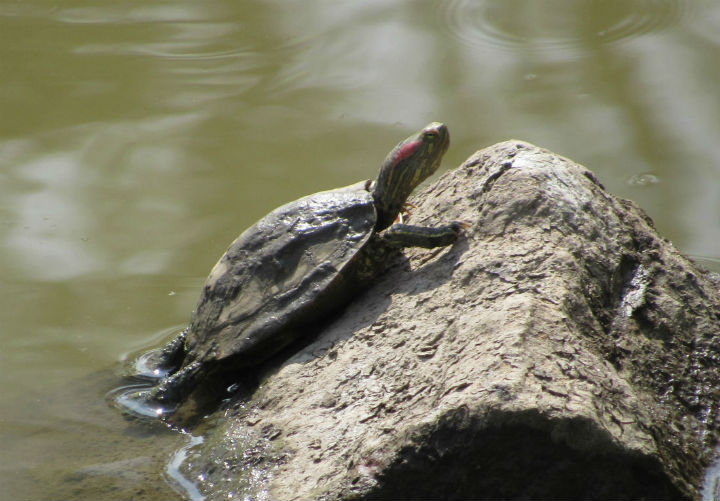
<point>294,268</point>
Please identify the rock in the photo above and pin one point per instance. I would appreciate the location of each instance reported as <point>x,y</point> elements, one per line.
<point>561,350</point>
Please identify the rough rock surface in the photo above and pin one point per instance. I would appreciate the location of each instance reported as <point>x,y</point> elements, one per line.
<point>561,350</point>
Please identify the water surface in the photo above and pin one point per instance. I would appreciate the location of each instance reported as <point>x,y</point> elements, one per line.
<point>138,139</point>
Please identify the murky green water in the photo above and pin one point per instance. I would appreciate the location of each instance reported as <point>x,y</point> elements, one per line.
<point>137,139</point>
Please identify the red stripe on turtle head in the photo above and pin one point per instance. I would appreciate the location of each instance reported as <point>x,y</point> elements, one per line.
<point>407,150</point>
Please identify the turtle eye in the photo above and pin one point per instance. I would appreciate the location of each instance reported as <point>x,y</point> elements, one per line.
<point>431,134</point>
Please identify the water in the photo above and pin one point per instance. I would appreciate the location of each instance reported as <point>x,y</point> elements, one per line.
<point>138,139</point>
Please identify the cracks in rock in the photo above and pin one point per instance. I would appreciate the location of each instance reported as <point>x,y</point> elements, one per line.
<point>494,176</point>
<point>592,178</point>
<point>628,292</point>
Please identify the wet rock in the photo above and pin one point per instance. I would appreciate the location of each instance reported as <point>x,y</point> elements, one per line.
<point>561,350</point>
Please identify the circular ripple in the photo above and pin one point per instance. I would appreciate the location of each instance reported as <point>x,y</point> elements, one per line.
<point>643,180</point>
<point>557,24</point>
<point>131,400</point>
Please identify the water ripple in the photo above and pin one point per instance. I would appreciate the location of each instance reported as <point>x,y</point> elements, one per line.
<point>533,25</point>
<point>643,180</point>
<point>129,14</point>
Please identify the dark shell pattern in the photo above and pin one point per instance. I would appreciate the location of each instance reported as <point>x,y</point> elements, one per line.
<point>276,274</point>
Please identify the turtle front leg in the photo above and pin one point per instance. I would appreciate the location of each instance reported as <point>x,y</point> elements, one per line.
<point>406,235</point>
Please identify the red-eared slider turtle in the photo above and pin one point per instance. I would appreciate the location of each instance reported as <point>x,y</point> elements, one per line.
<point>294,267</point>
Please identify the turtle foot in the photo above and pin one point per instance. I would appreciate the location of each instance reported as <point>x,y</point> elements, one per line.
<point>160,362</point>
<point>161,400</point>
<point>142,404</point>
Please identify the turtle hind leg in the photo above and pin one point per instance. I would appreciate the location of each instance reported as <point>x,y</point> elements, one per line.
<point>406,235</point>
<point>160,362</point>
<point>175,388</point>
<point>164,399</point>
<point>183,398</point>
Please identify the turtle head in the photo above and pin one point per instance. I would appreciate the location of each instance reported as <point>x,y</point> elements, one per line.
<point>406,166</point>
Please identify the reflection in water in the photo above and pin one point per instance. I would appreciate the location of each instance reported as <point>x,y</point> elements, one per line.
<point>711,483</point>
<point>175,475</point>
<point>530,25</point>
<point>48,214</point>
<point>66,201</point>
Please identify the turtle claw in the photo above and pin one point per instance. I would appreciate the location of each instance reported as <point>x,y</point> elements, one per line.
<point>406,209</point>
<point>460,226</point>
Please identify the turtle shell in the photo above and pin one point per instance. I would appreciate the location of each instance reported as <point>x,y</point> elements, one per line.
<point>281,274</point>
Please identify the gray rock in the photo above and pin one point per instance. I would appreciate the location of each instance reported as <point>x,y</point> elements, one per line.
<point>561,350</point>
